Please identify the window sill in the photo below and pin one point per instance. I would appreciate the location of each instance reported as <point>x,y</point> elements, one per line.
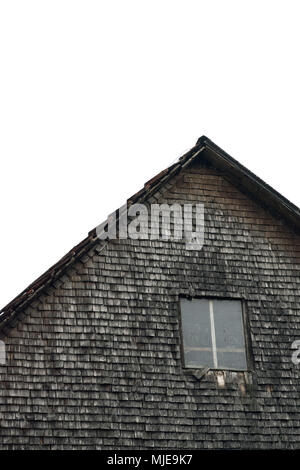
<point>223,378</point>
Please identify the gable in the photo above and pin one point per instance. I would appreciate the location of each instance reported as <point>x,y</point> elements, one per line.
<point>95,361</point>
<point>205,154</point>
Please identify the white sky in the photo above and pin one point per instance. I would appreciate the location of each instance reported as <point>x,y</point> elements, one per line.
<point>96,97</point>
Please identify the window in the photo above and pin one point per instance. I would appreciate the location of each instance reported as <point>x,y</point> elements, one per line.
<point>213,334</point>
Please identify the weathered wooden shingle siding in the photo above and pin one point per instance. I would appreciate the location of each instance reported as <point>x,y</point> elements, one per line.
<point>96,361</point>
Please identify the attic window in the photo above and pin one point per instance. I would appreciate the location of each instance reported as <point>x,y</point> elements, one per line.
<point>213,334</point>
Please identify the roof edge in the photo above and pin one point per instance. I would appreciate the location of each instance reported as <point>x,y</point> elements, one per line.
<point>266,188</point>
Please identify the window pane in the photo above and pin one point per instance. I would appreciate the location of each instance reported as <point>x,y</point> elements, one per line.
<point>230,342</point>
<point>196,332</point>
<point>193,358</point>
<point>232,360</point>
<point>228,324</point>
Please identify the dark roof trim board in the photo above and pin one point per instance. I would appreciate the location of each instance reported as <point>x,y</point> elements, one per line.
<point>211,153</point>
<point>242,177</point>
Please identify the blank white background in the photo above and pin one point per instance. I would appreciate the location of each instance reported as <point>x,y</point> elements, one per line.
<point>96,97</point>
